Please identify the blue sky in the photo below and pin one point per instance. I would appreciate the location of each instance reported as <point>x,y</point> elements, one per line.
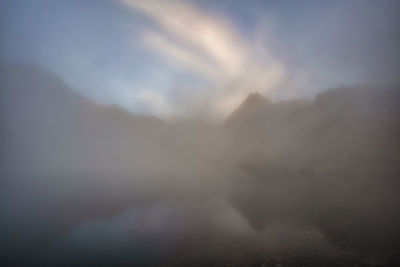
<point>201,58</point>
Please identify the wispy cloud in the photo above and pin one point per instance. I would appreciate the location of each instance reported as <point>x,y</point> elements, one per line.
<point>209,46</point>
<point>154,101</point>
<point>178,54</point>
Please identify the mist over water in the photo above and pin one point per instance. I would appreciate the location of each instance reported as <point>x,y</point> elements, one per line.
<point>255,158</point>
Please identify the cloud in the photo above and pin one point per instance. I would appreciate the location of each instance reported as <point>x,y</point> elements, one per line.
<point>208,45</point>
<point>178,54</point>
<point>154,101</point>
<point>210,36</point>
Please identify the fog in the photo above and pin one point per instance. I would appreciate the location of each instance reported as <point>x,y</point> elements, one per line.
<point>313,181</point>
<point>219,145</point>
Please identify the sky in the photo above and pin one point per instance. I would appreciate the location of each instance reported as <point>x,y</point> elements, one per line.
<point>180,59</point>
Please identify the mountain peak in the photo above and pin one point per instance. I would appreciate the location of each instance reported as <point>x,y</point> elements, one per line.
<point>254,101</point>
